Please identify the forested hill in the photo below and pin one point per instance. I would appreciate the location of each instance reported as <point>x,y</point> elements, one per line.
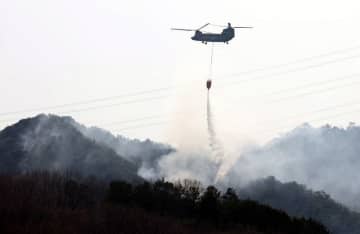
<point>54,203</point>
<point>51,143</point>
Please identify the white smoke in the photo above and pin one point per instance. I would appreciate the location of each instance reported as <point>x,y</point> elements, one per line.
<point>325,158</point>
<point>188,164</point>
<point>144,154</point>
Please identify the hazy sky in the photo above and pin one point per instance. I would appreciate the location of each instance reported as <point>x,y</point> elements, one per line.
<point>74,52</point>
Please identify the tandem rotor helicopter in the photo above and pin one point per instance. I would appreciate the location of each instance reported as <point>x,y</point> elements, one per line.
<point>227,34</point>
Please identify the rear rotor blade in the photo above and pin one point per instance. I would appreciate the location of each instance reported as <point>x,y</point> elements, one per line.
<point>242,27</point>
<point>182,29</point>
<point>225,26</point>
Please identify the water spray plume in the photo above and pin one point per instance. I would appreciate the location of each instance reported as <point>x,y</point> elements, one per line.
<point>214,144</point>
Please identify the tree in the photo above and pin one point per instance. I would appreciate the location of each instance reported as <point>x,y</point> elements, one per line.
<point>120,192</point>
<point>209,204</point>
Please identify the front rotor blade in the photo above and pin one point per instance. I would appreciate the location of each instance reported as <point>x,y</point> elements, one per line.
<point>217,25</point>
<point>182,29</point>
<point>203,26</point>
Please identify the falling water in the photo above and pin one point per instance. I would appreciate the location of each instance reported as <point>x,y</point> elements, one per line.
<point>214,144</point>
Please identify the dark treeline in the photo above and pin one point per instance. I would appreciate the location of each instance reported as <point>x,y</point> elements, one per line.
<point>208,207</point>
<point>53,203</point>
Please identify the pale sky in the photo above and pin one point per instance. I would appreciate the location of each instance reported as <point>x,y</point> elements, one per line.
<point>74,52</point>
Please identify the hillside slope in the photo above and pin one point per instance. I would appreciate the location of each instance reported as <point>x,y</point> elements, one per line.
<point>298,201</point>
<point>48,142</point>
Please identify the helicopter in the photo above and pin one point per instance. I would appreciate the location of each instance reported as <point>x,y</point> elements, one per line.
<point>225,36</point>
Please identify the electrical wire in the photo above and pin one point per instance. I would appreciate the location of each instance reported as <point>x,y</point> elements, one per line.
<point>300,60</point>
<point>315,92</point>
<point>280,73</point>
<point>89,101</point>
<point>324,118</point>
<point>100,107</point>
<point>133,94</point>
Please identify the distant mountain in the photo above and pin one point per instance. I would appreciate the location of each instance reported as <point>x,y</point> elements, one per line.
<point>52,143</point>
<point>298,201</point>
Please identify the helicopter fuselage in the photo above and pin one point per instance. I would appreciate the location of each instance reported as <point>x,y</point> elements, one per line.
<point>226,35</point>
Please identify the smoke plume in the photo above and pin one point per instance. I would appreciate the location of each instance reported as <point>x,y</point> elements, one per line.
<point>325,158</point>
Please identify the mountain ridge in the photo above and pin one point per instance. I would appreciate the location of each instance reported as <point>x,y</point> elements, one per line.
<point>49,142</point>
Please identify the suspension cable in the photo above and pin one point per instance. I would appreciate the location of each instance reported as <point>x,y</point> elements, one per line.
<point>211,61</point>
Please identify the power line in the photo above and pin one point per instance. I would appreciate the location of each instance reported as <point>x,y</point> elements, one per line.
<point>346,104</point>
<point>132,120</point>
<point>300,60</point>
<point>162,97</point>
<point>328,108</point>
<point>103,106</point>
<point>293,70</point>
<point>289,98</point>
<point>301,114</point>
<point>160,89</point>
<point>142,126</point>
<point>171,87</point>
<point>309,85</point>
<point>357,102</point>
<point>261,131</point>
<point>87,101</point>
<point>115,104</point>
<point>325,118</point>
